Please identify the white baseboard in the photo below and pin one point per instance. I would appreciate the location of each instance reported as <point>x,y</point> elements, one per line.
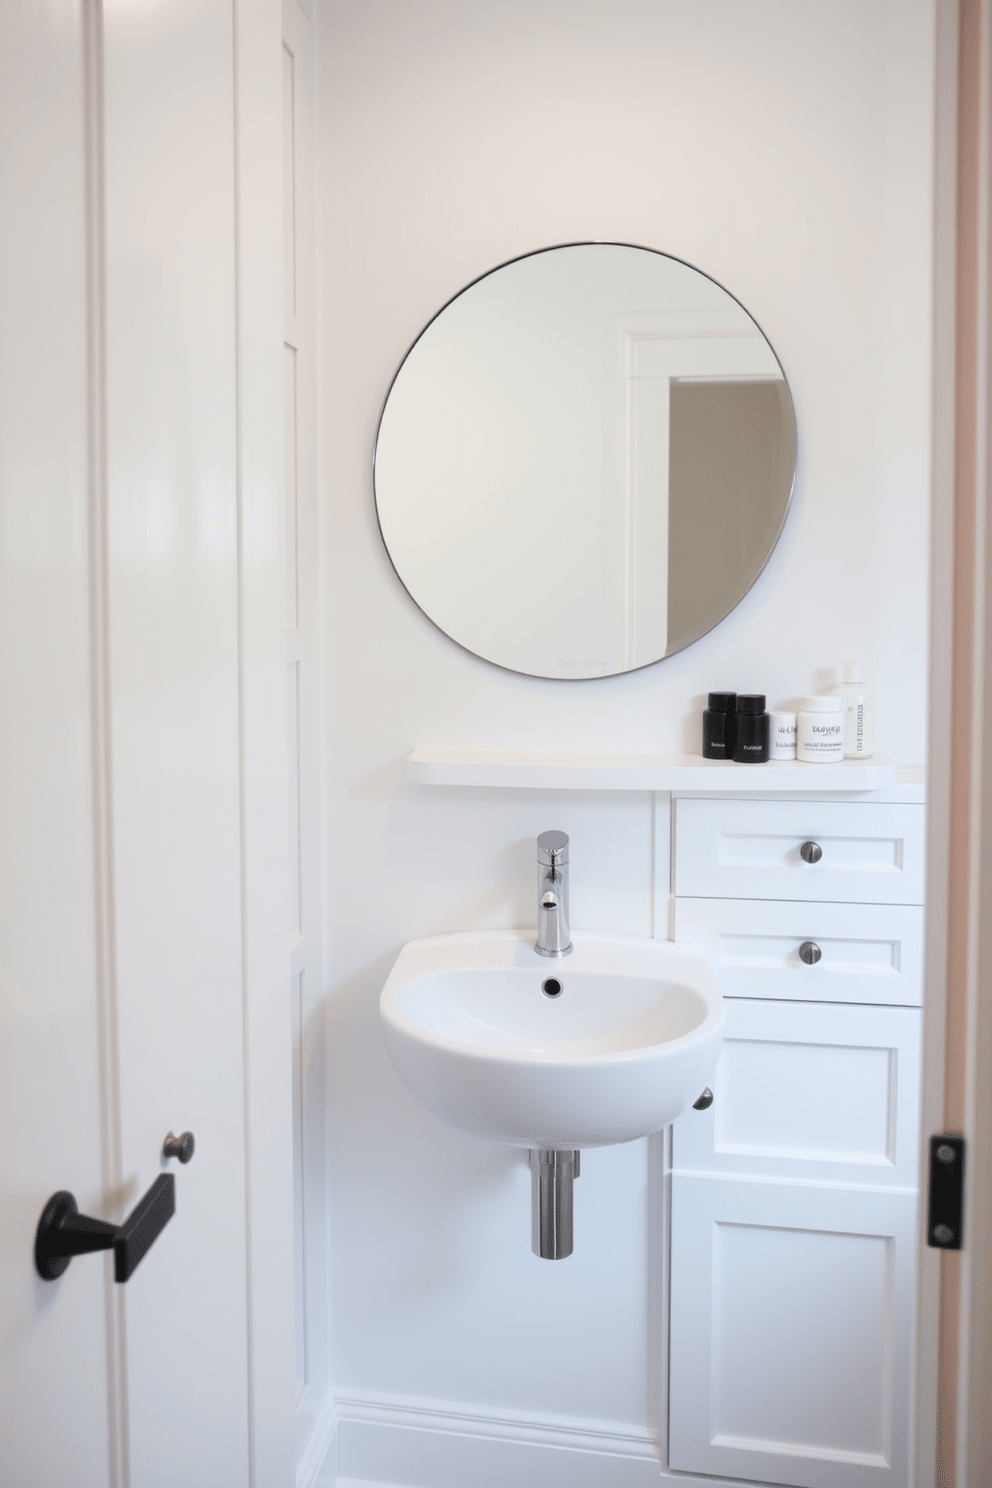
<point>318,1465</point>
<point>366,1440</point>
<point>410,1443</point>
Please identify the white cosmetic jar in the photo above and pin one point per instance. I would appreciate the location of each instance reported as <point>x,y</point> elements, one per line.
<point>820,731</point>
<point>781,736</point>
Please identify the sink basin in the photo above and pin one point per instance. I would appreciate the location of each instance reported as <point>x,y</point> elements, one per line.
<point>626,1045</point>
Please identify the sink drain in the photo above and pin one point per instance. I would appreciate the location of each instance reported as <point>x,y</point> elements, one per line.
<point>551,987</point>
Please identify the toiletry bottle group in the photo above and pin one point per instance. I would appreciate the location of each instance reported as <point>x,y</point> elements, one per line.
<point>826,729</point>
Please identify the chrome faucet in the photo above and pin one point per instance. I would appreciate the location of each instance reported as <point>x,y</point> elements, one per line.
<point>552,895</point>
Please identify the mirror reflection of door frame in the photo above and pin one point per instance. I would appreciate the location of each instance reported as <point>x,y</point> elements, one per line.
<point>659,349</point>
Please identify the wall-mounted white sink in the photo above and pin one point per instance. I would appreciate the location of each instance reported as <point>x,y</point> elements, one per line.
<point>626,1045</point>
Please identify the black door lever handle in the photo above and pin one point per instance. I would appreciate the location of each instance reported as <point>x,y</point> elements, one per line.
<point>63,1232</point>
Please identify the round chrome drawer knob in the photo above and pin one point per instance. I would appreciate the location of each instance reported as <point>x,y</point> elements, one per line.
<point>809,953</point>
<point>811,852</point>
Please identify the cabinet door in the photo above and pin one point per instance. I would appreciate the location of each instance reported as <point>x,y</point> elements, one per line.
<point>811,1093</point>
<point>791,1332</point>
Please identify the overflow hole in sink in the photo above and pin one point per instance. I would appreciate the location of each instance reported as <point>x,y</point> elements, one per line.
<point>551,987</point>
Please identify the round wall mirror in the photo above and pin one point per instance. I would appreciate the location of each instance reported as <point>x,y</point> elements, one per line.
<point>584,461</point>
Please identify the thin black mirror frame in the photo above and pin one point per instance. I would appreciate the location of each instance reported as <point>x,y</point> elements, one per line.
<point>787,507</point>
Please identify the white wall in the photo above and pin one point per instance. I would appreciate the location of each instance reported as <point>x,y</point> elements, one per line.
<point>785,150</point>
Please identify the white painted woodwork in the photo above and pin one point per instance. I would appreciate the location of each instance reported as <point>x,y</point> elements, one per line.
<point>309,1104</point>
<point>549,769</point>
<point>869,953</point>
<point>267,1034</point>
<point>872,853</point>
<point>819,1092</point>
<point>144,749</point>
<point>794,1196</point>
<point>172,493</point>
<point>405,1439</point>
<point>791,1332</point>
<point>53,1359</point>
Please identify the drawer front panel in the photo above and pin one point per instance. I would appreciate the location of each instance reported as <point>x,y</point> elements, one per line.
<point>811,1092</point>
<point>869,953</point>
<point>870,853</point>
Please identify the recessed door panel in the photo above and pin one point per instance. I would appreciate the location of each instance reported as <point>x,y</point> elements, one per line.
<point>791,1332</point>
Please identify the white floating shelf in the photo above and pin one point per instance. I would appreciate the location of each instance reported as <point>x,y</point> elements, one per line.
<point>551,770</point>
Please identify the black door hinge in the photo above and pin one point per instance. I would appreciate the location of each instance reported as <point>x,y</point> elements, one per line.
<point>946,1205</point>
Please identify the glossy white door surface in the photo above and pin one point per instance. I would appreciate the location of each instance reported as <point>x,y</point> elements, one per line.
<point>142,776</point>
<point>53,1338</point>
<point>173,575</point>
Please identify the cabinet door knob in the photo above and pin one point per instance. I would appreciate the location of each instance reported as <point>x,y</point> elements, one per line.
<point>809,952</point>
<point>182,1147</point>
<point>705,1100</point>
<point>811,852</point>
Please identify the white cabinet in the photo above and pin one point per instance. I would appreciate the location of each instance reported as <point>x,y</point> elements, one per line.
<point>795,1195</point>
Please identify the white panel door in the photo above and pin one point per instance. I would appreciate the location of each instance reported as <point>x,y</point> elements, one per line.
<point>53,1339</point>
<point>791,1332</point>
<point>142,746</point>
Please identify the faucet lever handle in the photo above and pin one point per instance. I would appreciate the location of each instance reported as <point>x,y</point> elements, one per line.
<point>552,849</point>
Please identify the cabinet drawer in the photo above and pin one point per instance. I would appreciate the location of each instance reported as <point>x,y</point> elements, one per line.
<point>791,1333</point>
<point>871,853</point>
<point>814,1092</point>
<point>868,952</point>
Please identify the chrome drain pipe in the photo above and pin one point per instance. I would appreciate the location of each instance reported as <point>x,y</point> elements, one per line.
<point>551,1176</point>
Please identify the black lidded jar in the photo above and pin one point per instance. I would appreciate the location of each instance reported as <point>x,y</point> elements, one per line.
<point>752,736</point>
<point>720,726</point>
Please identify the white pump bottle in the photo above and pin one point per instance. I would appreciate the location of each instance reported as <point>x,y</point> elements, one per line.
<point>859,714</point>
